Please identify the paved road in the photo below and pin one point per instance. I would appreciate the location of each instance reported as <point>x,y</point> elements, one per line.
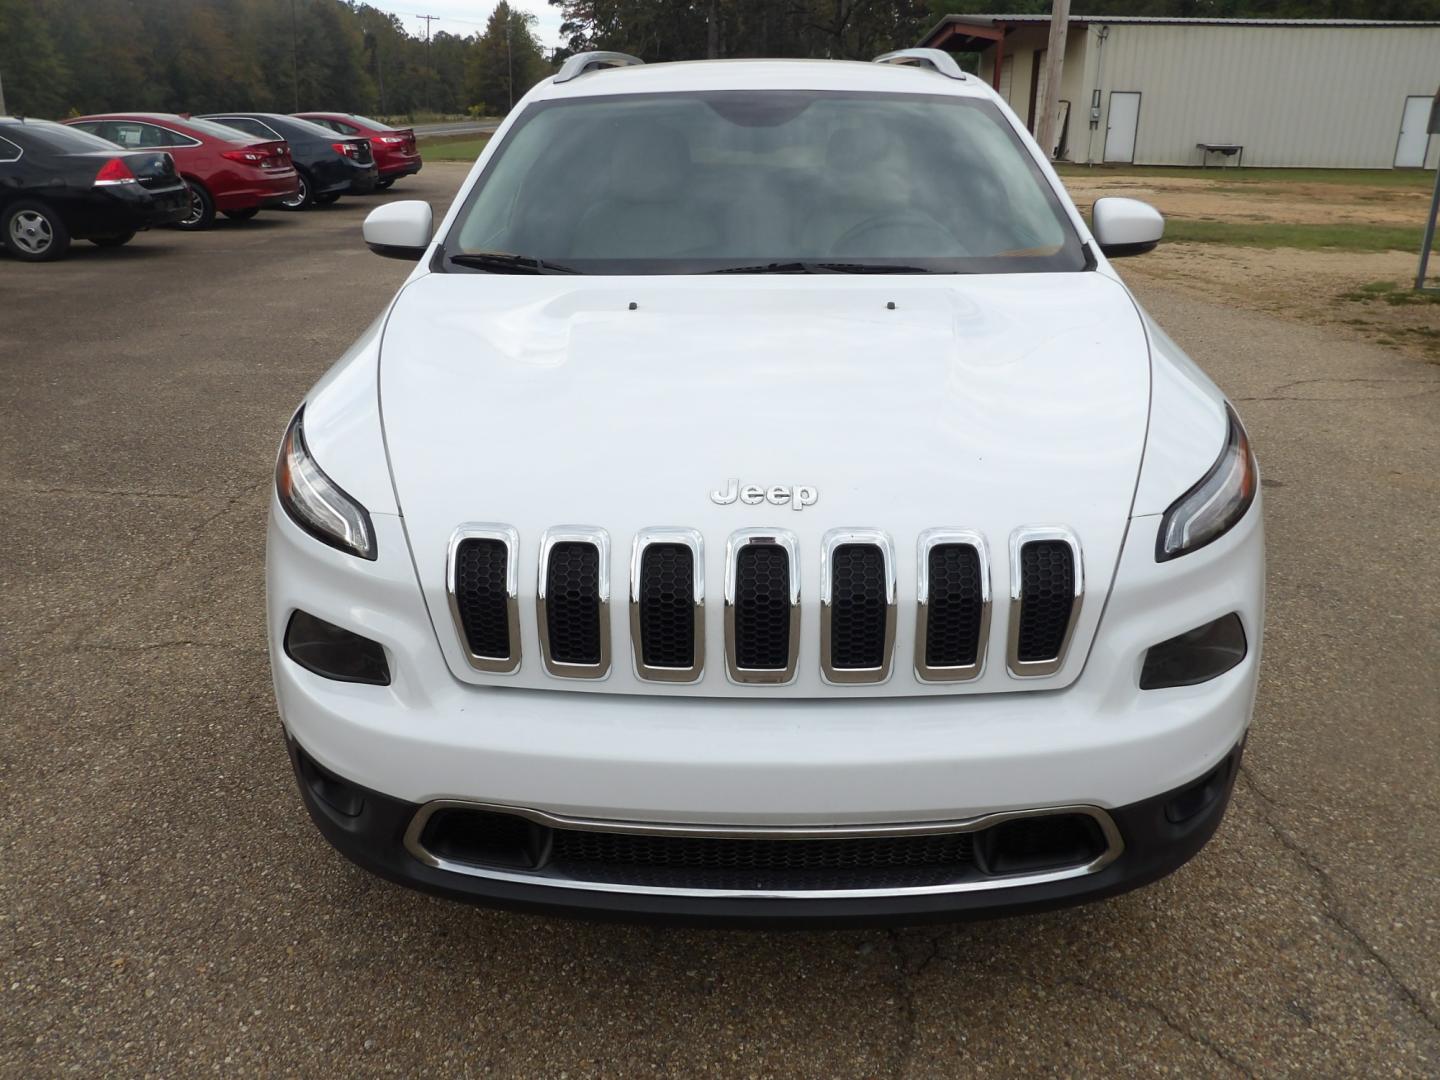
<point>167,907</point>
<point>456,127</point>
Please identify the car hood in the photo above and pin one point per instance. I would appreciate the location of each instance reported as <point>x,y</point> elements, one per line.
<point>907,403</point>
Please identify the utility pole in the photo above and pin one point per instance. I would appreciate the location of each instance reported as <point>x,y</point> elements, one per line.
<point>429,66</point>
<point>294,58</point>
<point>509,63</point>
<point>2,97</point>
<point>1054,68</point>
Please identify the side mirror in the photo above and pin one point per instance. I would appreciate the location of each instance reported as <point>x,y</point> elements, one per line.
<point>399,230</point>
<point>1126,226</point>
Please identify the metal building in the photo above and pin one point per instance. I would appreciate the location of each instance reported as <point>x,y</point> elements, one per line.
<point>1328,93</point>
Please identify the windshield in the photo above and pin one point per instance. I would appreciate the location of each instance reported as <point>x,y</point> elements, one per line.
<point>219,131</point>
<point>58,137</point>
<point>763,181</point>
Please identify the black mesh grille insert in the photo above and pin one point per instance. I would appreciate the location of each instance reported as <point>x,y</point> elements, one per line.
<point>857,606</point>
<point>572,603</point>
<point>697,862</point>
<point>762,607</point>
<point>1047,576</point>
<point>481,597</point>
<point>953,613</point>
<point>667,606</point>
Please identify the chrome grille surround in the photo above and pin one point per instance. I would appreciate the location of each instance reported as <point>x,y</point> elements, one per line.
<point>738,542</point>
<point>1026,534</point>
<point>575,534</point>
<point>828,543</point>
<point>933,538</point>
<point>495,665</point>
<point>691,539</point>
<point>1114,848</point>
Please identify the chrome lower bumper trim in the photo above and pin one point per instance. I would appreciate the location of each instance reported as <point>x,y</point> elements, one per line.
<point>1115,846</point>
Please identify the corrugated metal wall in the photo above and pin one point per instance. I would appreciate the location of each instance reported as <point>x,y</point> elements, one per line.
<point>1293,96</point>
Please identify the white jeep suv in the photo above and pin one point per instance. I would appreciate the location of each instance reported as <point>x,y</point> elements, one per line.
<point>764,502</point>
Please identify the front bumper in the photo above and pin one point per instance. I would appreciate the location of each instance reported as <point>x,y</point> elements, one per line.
<point>1154,836</point>
<point>752,761</point>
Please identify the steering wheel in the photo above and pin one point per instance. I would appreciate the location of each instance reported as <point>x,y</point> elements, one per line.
<point>910,232</point>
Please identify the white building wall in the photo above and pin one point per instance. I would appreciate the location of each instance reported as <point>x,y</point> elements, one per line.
<point>1293,96</point>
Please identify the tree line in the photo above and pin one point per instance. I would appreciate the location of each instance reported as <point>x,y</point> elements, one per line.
<point>66,57</point>
<point>69,57</point>
<point>859,29</point>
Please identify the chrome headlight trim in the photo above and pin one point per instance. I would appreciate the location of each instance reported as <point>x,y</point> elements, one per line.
<point>315,502</point>
<point>1216,503</point>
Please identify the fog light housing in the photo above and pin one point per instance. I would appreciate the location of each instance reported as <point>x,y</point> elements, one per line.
<point>1195,656</point>
<point>335,653</point>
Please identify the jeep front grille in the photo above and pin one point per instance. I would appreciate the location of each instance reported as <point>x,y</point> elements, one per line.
<point>573,602</point>
<point>952,621</point>
<point>762,606</point>
<point>1045,591</point>
<point>667,605</point>
<point>762,615</point>
<point>857,606</point>
<point>483,581</point>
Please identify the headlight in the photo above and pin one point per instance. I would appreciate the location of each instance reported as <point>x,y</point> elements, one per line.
<point>1211,508</point>
<point>315,502</point>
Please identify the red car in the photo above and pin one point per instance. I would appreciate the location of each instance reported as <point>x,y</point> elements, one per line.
<point>226,170</point>
<point>394,148</point>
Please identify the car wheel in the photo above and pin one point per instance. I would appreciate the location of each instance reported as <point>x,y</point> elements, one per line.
<point>384,183</point>
<point>118,240</point>
<point>202,208</point>
<point>32,231</point>
<point>302,198</point>
<point>326,199</point>
<point>241,215</point>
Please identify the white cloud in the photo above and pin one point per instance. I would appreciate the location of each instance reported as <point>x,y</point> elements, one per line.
<point>466,17</point>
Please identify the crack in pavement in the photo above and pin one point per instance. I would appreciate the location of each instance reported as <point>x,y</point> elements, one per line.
<point>1197,1038</point>
<point>1330,898</point>
<point>1277,394</point>
<point>906,973</point>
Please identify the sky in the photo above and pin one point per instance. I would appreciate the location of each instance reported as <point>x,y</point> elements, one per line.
<point>466,17</point>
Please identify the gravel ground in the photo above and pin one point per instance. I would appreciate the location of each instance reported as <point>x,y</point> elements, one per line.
<point>167,908</point>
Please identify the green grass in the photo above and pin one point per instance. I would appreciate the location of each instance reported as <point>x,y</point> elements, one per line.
<point>1386,178</point>
<point>1396,295</point>
<point>453,147</point>
<point>1347,237</point>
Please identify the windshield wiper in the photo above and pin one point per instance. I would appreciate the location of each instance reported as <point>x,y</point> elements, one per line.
<point>814,267</point>
<point>869,268</point>
<point>503,262</point>
<point>770,268</point>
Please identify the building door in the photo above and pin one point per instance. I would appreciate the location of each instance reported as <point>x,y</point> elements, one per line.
<point>1121,126</point>
<point>1414,141</point>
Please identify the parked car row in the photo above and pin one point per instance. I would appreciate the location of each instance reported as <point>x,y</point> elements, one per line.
<point>106,177</point>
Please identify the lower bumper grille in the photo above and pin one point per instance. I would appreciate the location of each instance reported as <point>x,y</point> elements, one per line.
<point>986,852</point>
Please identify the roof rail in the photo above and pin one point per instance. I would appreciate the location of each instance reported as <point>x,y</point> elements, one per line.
<point>934,59</point>
<point>580,63</point>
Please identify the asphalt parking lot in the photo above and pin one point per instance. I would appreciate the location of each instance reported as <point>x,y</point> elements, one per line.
<point>166,907</point>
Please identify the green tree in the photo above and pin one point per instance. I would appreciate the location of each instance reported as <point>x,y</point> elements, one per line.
<point>35,79</point>
<point>505,61</point>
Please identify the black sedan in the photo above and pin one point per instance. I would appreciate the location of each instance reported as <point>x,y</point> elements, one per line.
<point>58,184</point>
<point>330,165</point>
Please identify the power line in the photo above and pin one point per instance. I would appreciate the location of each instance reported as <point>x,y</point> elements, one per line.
<point>429,67</point>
